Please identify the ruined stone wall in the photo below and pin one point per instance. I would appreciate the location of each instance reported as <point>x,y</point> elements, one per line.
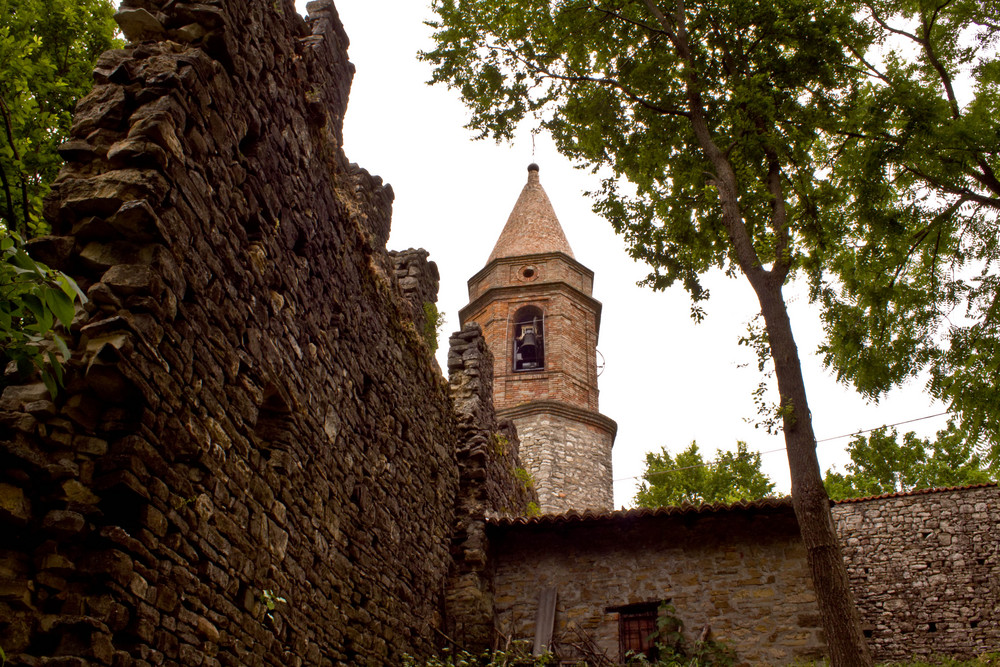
<point>493,485</point>
<point>742,573</point>
<point>249,413</point>
<point>418,280</point>
<point>925,568</point>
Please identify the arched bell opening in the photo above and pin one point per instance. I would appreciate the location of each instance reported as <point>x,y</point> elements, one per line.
<point>529,339</point>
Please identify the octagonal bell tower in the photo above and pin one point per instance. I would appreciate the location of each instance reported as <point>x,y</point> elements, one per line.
<point>534,303</point>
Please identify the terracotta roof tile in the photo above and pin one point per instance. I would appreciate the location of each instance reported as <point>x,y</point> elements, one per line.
<point>532,227</point>
<point>590,516</point>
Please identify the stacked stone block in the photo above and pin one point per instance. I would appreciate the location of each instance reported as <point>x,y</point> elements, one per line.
<point>249,413</point>
<point>418,280</point>
<point>925,568</point>
<point>493,485</point>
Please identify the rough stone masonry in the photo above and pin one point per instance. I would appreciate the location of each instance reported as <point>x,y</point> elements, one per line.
<point>249,412</point>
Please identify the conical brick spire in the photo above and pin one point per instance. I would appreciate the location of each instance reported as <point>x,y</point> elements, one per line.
<point>532,227</point>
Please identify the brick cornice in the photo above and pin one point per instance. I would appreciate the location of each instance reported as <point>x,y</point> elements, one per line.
<point>522,259</point>
<point>548,407</point>
<point>511,292</point>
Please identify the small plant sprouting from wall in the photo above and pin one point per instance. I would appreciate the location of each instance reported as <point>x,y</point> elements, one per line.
<point>501,444</point>
<point>525,478</point>
<point>433,321</point>
<point>270,602</point>
<point>532,509</point>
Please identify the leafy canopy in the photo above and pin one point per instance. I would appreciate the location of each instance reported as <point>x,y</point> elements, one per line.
<point>917,289</point>
<point>880,463</point>
<point>47,52</point>
<point>608,82</point>
<point>688,478</point>
<point>34,300</point>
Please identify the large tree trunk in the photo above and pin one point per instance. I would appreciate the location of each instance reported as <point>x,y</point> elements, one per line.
<point>838,612</point>
<point>812,505</point>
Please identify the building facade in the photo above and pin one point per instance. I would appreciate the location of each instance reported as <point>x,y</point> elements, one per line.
<point>534,302</point>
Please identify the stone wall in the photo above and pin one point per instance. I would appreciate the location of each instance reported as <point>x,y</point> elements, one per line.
<point>249,413</point>
<point>418,280</point>
<point>742,572</point>
<point>568,452</point>
<point>492,485</point>
<point>925,568</point>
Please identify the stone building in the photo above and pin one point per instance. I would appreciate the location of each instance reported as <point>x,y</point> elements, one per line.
<point>534,302</point>
<point>923,566</point>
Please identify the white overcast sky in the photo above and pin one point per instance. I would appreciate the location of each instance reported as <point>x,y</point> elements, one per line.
<point>667,381</point>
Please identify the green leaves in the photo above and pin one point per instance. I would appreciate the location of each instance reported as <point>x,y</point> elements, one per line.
<point>914,290</point>
<point>35,303</point>
<point>614,86</point>
<point>47,52</point>
<point>688,478</point>
<point>880,463</point>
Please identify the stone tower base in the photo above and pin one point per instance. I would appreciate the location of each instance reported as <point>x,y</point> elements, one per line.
<point>568,453</point>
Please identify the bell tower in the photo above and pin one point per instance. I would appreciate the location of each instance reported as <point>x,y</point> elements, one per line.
<point>534,303</point>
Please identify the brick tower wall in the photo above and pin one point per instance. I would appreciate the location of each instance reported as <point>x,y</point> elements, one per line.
<point>566,442</point>
<point>560,287</point>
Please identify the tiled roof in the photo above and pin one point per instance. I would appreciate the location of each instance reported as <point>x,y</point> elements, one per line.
<point>532,227</point>
<point>590,516</point>
<point>917,492</point>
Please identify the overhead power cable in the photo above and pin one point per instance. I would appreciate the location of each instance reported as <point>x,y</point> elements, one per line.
<point>781,449</point>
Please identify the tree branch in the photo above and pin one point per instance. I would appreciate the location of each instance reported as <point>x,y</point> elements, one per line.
<point>725,177</point>
<point>928,26</point>
<point>992,202</point>
<point>919,237</point>
<point>779,217</point>
<point>625,19</point>
<point>23,227</point>
<point>547,73</point>
<point>10,213</point>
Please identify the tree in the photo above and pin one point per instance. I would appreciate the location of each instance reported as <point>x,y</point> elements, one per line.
<point>881,464</point>
<point>47,54</point>
<point>34,300</point>
<point>711,117</point>
<point>918,290</point>
<point>689,479</point>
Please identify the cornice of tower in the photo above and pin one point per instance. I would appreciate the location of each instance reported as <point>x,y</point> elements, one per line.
<point>532,258</point>
<point>551,407</point>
